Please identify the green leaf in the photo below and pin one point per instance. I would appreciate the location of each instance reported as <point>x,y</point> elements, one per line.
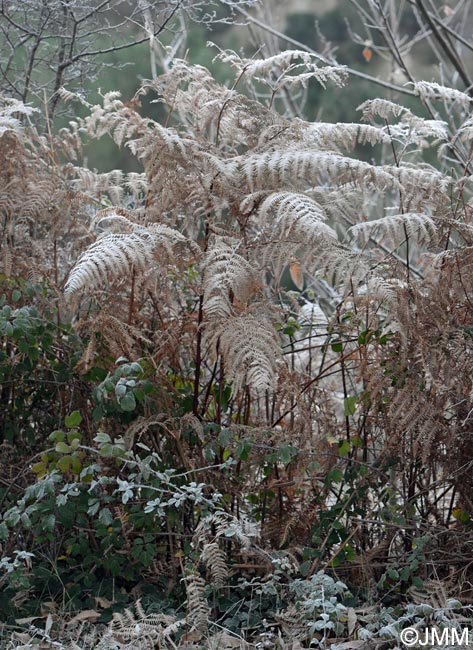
<point>3,531</point>
<point>344,448</point>
<point>287,453</point>
<point>62,448</point>
<point>48,523</point>
<point>128,402</point>
<point>39,468</point>
<point>76,464</point>
<point>102,438</point>
<point>393,573</point>
<point>57,436</point>
<point>334,476</point>
<point>16,295</point>
<point>73,435</point>
<point>337,346</point>
<point>105,517</point>
<point>349,405</point>
<point>365,336</point>
<point>73,420</point>
<point>64,463</point>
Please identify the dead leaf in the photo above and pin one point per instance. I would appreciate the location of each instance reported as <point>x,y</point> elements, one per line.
<point>367,54</point>
<point>103,602</point>
<point>351,620</point>
<point>192,636</point>
<point>48,625</point>
<point>87,615</point>
<point>297,275</point>
<point>26,621</point>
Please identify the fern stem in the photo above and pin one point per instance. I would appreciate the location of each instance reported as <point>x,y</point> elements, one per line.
<point>198,357</point>
<point>198,353</point>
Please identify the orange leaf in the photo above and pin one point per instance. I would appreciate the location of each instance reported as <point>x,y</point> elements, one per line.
<point>296,275</point>
<point>367,54</point>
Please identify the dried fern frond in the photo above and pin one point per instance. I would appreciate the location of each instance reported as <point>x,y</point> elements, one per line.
<point>215,561</point>
<point>383,108</point>
<point>281,61</point>
<point>116,255</point>
<point>250,350</point>
<point>139,629</point>
<point>346,135</point>
<point>300,168</point>
<point>343,267</point>
<point>198,610</point>
<point>394,228</point>
<point>222,525</point>
<point>432,90</point>
<point>297,216</point>
<point>225,272</point>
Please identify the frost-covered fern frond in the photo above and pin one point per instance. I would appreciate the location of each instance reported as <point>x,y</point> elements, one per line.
<point>221,525</point>
<point>411,128</point>
<point>420,181</point>
<point>383,108</point>
<point>139,629</point>
<point>432,90</point>
<point>250,350</point>
<point>465,132</point>
<point>386,290</point>
<point>215,561</point>
<point>116,256</point>
<point>226,275</point>
<point>11,112</point>
<point>198,610</point>
<point>296,216</point>
<point>288,68</point>
<point>345,135</point>
<point>342,267</point>
<point>267,66</point>
<point>394,228</point>
<point>94,184</point>
<point>300,168</point>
